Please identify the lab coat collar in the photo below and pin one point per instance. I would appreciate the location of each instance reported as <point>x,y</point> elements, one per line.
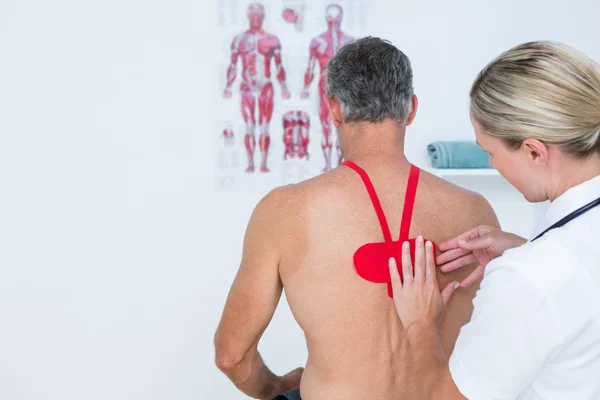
<point>573,199</point>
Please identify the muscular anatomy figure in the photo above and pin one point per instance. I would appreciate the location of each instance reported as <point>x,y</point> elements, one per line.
<point>257,49</point>
<point>322,48</point>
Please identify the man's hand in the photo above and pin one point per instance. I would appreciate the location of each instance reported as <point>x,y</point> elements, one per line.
<point>481,244</point>
<point>287,382</point>
<point>227,93</point>
<point>418,299</point>
<point>305,94</point>
<point>252,301</point>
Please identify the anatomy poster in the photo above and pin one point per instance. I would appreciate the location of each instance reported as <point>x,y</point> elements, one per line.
<point>274,126</point>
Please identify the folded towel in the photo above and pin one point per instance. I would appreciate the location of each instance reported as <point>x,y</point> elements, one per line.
<point>457,154</point>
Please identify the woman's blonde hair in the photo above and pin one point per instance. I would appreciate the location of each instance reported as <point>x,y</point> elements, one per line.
<point>542,90</point>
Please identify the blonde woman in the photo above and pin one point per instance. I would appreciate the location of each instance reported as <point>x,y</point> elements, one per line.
<point>535,328</point>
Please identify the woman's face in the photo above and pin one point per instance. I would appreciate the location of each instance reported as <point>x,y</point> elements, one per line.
<point>513,165</point>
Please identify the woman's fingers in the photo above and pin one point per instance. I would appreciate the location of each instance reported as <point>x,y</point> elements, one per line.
<point>453,243</point>
<point>448,291</point>
<point>395,277</point>
<point>477,244</point>
<point>459,263</point>
<point>451,255</point>
<point>407,268</point>
<point>475,276</point>
<point>468,236</point>
<point>430,274</point>
<point>419,260</point>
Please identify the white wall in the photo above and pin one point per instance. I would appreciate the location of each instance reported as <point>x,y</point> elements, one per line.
<point>115,253</point>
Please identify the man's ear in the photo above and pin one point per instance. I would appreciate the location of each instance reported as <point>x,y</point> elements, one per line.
<point>413,110</point>
<point>536,151</point>
<point>335,110</point>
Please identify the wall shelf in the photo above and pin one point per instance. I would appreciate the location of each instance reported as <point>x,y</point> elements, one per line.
<point>441,172</point>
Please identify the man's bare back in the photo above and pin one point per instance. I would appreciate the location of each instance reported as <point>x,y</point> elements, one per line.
<point>302,238</point>
<point>356,344</point>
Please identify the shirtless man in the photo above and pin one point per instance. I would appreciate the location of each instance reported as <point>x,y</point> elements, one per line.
<point>257,49</point>
<point>302,238</point>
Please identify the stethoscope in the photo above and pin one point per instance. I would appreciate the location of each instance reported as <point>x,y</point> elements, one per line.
<point>577,213</point>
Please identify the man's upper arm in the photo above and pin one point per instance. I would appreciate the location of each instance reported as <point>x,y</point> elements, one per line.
<point>257,287</point>
<point>513,331</point>
<point>482,212</point>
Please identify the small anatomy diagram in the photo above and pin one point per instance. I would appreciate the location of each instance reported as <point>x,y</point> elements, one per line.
<point>295,134</point>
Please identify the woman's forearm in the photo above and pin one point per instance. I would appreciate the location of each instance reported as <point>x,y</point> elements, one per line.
<point>428,357</point>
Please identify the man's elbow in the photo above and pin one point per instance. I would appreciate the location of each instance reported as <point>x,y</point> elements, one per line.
<point>227,358</point>
<point>229,355</point>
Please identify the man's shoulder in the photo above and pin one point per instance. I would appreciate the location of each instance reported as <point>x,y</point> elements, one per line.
<point>461,203</point>
<point>276,198</point>
<point>285,210</point>
<point>287,199</point>
<point>445,186</point>
<point>326,181</point>
<point>271,215</point>
<point>322,187</point>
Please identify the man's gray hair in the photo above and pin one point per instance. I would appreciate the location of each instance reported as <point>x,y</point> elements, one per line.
<point>372,80</point>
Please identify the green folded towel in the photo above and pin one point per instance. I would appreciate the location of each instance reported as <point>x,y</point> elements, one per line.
<point>457,154</point>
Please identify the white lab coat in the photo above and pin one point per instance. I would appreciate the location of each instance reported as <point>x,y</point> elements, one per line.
<point>535,329</point>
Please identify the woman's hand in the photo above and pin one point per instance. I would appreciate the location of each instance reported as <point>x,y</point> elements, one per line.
<point>418,299</point>
<point>481,244</point>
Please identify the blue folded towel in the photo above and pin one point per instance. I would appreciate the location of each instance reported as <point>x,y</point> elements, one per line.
<point>457,154</point>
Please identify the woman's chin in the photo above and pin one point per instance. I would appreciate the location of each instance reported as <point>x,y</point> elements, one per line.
<point>534,198</point>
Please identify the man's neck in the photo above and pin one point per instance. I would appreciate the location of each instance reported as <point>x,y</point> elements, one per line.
<point>365,141</point>
<point>573,173</point>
